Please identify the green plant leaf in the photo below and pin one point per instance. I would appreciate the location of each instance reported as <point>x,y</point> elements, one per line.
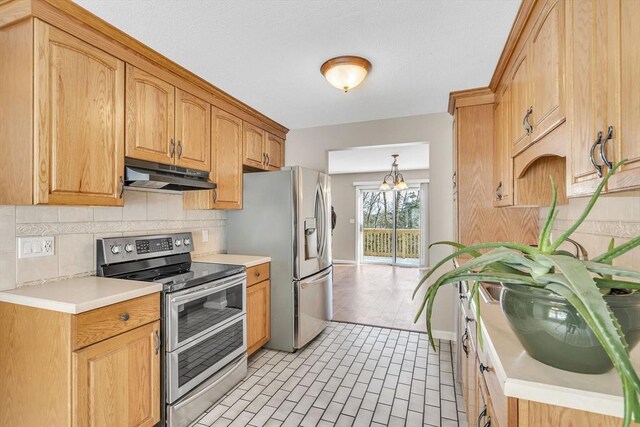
<point>553,246</point>
<point>606,269</point>
<point>471,250</point>
<point>615,252</point>
<point>545,233</point>
<point>603,283</point>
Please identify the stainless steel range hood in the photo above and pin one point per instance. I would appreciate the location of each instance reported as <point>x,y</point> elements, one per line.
<point>157,176</point>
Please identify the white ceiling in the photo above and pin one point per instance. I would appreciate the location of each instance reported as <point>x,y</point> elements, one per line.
<point>412,156</point>
<point>268,53</point>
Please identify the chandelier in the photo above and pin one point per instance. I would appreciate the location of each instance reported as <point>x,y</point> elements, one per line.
<point>394,177</point>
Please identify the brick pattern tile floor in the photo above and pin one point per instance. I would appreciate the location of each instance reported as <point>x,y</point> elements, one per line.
<point>350,375</point>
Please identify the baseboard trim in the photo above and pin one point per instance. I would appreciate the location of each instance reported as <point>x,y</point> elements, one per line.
<point>444,335</point>
<point>343,261</point>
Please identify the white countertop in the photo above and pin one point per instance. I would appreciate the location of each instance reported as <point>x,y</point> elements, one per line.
<point>80,294</point>
<point>246,260</point>
<point>523,377</point>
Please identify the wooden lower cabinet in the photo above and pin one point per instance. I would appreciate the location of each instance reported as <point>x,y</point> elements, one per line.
<point>258,307</point>
<point>116,382</point>
<point>51,378</point>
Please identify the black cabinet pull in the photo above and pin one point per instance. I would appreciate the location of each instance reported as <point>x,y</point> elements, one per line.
<point>595,165</point>
<point>482,415</point>
<point>603,154</point>
<point>463,341</point>
<point>484,368</point>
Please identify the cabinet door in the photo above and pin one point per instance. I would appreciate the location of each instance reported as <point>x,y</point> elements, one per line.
<point>79,116</point>
<point>258,316</point>
<point>226,157</point>
<point>520,103</point>
<point>502,162</point>
<point>624,97</point>
<point>150,121</point>
<point>472,396</point>
<point>253,146</point>
<point>274,151</point>
<point>587,81</point>
<point>547,70</point>
<point>193,131</point>
<point>116,382</point>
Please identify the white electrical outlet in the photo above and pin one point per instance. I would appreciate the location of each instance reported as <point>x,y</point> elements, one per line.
<point>29,247</point>
<point>352,221</point>
<point>205,236</point>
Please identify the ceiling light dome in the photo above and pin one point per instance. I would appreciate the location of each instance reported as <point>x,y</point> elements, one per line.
<point>345,72</point>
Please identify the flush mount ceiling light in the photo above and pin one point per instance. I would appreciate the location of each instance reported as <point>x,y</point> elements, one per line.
<point>345,72</point>
<point>394,177</point>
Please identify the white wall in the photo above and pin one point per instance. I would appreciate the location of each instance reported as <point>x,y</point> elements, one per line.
<point>308,147</point>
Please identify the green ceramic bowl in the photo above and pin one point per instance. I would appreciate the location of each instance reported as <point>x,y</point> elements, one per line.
<point>552,331</point>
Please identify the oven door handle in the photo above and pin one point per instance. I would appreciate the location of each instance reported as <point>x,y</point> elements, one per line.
<point>195,294</point>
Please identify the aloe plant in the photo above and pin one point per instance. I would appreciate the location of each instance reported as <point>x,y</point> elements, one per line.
<point>581,282</point>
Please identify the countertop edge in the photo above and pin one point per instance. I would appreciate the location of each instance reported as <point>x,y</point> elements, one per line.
<point>71,308</point>
<point>229,259</point>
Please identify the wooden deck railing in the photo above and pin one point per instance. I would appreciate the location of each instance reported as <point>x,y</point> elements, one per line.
<point>378,242</point>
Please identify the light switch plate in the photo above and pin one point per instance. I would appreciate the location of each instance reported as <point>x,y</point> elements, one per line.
<point>205,236</point>
<point>30,247</point>
<point>352,221</point>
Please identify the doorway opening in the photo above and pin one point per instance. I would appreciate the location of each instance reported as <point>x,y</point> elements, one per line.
<point>390,226</point>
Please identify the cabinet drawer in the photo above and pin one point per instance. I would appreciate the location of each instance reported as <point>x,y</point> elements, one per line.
<point>102,323</point>
<point>257,274</point>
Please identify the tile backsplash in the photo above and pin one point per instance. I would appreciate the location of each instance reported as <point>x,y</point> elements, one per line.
<point>616,215</point>
<point>76,229</point>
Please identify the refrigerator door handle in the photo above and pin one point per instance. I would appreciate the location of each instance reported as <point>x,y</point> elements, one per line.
<point>321,217</point>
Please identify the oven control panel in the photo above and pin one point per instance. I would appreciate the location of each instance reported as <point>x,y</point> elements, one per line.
<point>113,250</point>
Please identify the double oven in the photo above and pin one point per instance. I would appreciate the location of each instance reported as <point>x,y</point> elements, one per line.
<point>203,318</point>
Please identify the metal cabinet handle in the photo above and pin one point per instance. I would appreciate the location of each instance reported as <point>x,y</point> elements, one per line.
<point>124,317</point>
<point>488,423</point>
<point>215,195</point>
<point>172,148</point>
<point>526,123</point>
<point>463,296</point>
<point>268,159</point>
<point>484,368</point>
<point>179,149</point>
<point>468,320</point>
<point>463,341</point>
<point>482,415</point>
<point>453,179</point>
<point>156,340</point>
<point>499,191</point>
<point>603,154</point>
<point>595,165</point>
<point>120,186</point>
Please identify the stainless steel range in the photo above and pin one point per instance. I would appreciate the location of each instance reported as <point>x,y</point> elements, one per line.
<point>203,318</point>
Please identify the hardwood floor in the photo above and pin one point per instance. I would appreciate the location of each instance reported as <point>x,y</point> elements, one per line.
<point>376,295</point>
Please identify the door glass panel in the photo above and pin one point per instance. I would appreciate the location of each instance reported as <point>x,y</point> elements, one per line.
<point>408,227</point>
<point>208,312</point>
<point>377,227</point>
<point>386,214</point>
<point>197,359</point>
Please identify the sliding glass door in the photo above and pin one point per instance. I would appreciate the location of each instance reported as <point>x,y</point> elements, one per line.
<point>389,227</point>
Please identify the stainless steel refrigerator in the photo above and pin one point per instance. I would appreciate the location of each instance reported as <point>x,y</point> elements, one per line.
<point>287,215</point>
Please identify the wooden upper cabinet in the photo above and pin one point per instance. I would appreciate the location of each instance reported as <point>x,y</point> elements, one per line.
<point>502,162</point>
<point>166,124</point>
<point>602,89</point>
<point>274,152</point>
<point>193,131</point>
<point>79,121</point>
<point>587,83</point>
<point>150,117</point>
<point>117,382</point>
<point>547,70</point>
<point>253,143</point>
<point>624,97</point>
<point>520,103</point>
<point>227,160</point>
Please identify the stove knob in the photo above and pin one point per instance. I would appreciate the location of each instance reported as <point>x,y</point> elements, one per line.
<point>128,247</point>
<point>187,242</point>
<point>115,249</point>
<point>178,242</point>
